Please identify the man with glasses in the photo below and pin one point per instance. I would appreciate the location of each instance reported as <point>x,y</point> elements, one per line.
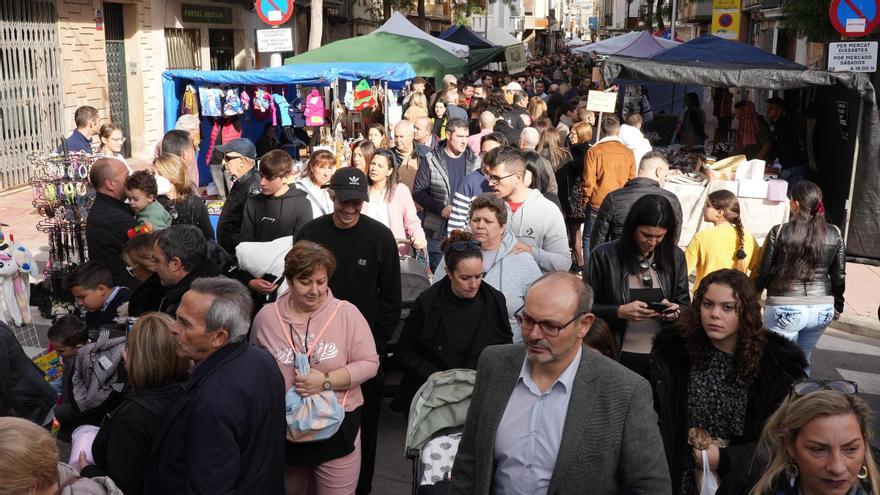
<point>439,175</point>
<point>536,222</point>
<point>110,219</point>
<point>549,416</point>
<point>239,158</point>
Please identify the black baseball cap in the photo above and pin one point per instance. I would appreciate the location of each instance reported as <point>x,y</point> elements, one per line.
<point>349,183</point>
<point>242,146</point>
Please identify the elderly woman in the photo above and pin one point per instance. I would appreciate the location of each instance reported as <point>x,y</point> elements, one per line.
<point>391,202</point>
<point>505,269</point>
<point>30,464</point>
<point>452,321</point>
<point>342,355</point>
<point>313,180</point>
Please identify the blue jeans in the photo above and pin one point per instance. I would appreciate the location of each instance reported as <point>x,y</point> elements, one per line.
<point>589,221</point>
<point>802,324</point>
<point>434,254</point>
<point>794,175</point>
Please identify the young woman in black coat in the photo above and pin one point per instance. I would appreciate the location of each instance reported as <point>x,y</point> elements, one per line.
<point>155,375</point>
<point>721,371</point>
<point>640,280</point>
<point>452,321</point>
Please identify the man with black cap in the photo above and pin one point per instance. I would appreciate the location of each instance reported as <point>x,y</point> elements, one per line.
<point>239,158</point>
<point>368,276</point>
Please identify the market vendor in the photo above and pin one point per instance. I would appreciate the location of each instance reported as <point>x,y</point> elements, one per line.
<point>753,137</point>
<point>786,146</point>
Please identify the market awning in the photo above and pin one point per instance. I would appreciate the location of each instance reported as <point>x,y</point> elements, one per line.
<point>399,24</point>
<point>465,36</point>
<point>709,50</point>
<point>635,44</point>
<point>500,37</point>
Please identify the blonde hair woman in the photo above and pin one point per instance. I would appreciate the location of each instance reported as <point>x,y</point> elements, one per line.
<point>155,374</point>
<point>184,206</point>
<point>29,464</point>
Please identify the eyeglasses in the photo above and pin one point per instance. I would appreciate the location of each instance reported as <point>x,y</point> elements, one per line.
<point>461,246</point>
<point>118,140</point>
<point>647,280</point>
<point>549,329</point>
<point>807,387</point>
<point>229,158</point>
<point>494,179</point>
<point>130,269</point>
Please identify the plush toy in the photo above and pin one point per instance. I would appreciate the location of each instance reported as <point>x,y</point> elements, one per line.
<point>15,267</point>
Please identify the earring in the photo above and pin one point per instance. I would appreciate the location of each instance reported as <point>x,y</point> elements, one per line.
<point>791,470</point>
<point>863,473</point>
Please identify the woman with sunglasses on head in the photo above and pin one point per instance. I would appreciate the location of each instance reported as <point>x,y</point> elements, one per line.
<point>817,442</point>
<point>640,280</point>
<point>391,202</point>
<point>452,321</point>
<point>721,371</point>
<point>804,271</point>
<point>727,245</point>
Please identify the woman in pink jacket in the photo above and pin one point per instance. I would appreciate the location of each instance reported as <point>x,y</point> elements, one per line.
<point>342,359</point>
<point>391,202</point>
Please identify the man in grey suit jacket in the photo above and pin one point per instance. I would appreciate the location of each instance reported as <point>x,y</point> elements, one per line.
<point>550,416</point>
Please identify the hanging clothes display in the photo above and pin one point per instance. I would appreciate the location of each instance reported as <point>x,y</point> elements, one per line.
<point>315,112</point>
<point>224,130</point>
<point>189,102</point>
<point>210,98</point>
<point>232,105</point>
<point>363,96</point>
<point>283,109</point>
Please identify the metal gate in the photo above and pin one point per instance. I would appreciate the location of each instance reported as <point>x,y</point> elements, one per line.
<point>32,113</point>
<point>116,78</point>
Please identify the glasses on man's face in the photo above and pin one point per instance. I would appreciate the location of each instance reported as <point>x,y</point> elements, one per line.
<point>461,246</point>
<point>230,158</point>
<point>548,328</point>
<point>494,179</point>
<point>807,387</point>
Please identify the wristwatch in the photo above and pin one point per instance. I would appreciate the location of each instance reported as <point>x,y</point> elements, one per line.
<point>327,384</point>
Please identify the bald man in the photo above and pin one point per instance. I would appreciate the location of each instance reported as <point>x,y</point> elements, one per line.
<point>424,133</point>
<point>406,158</point>
<point>110,219</point>
<point>487,123</point>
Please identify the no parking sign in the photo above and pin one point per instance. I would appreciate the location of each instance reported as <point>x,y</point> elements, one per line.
<point>274,12</point>
<point>854,18</point>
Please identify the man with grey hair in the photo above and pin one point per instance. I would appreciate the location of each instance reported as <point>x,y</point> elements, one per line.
<point>406,157</point>
<point>452,109</point>
<point>424,134</point>
<point>180,253</point>
<point>110,219</point>
<point>573,403</point>
<point>225,432</point>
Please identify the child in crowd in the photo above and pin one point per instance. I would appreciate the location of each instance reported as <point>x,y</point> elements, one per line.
<point>92,287</point>
<point>67,335</point>
<point>142,190</point>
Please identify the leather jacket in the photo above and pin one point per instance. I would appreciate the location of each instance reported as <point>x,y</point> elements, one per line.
<point>607,276</point>
<point>828,278</point>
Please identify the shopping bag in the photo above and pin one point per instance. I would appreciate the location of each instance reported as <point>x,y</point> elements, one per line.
<point>709,483</point>
<point>314,417</point>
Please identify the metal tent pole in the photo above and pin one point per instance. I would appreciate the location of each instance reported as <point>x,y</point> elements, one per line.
<point>855,165</point>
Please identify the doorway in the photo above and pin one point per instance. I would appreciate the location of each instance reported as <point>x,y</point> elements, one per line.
<point>114,37</point>
<point>222,49</point>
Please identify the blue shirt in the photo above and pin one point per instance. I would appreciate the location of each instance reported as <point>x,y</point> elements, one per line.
<point>78,142</point>
<point>530,433</point>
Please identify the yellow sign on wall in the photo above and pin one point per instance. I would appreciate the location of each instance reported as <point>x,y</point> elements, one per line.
<point>725,4</point>
<point>725,23</point>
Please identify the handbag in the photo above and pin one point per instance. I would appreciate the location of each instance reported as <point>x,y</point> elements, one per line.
<point>315,417</point>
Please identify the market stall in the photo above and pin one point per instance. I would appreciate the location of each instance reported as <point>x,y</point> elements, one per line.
<point>399,24</point>
<point>633,44</point>
<point>858,196</point>
<point>465,36</point>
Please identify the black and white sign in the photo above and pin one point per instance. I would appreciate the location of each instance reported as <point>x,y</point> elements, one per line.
<point>274,40</point>
<point>852,56</point>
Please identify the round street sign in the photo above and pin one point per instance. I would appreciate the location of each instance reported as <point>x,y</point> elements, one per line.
<point>274,12</point>
<point>854,18</point>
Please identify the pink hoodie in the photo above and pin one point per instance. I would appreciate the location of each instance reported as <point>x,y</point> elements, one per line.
<point>347,342</point>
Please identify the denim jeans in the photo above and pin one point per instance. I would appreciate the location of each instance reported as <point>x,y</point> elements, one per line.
<point>794,175</point>
<point>435,254</point>
<point>802,324</point>
<point>589,221</point>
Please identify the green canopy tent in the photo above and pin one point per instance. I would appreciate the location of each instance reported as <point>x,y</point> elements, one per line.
<point>481,57</point>
<point>426,58</point>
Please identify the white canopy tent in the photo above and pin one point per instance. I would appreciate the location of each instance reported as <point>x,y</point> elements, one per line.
<point>633,44</point>
<point>399,24</point>
<point>575,42</point>
<point>500,37</point>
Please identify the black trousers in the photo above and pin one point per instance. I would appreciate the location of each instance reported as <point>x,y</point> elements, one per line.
<point>373,394</point>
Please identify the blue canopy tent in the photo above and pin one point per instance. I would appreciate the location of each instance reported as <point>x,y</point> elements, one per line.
<point>709,51</point>
<point>174,81</point>
<point>465,36</point>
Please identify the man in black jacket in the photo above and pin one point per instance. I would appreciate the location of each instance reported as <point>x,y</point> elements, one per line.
<point>368,276</point>
<point>23,391</point>
<point>110,219</point>
<point>653,170</point>
<point>181,255</point>
<point>226,433</point>
<point>278,211</point>
<point>239,158</point>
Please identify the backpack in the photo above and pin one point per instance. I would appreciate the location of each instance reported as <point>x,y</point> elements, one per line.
<point>97,371</point>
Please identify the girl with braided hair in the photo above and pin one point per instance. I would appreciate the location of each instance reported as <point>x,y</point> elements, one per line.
<point>726,245</point>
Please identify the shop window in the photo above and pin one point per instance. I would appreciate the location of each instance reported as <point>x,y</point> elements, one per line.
<point>183,48</point>
<point>222,49</point>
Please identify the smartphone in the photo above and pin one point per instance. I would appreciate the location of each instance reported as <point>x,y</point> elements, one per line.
<point>659,307</point>
<point>272,279</point>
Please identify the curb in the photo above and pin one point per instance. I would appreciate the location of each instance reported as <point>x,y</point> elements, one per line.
<point>864,326</point>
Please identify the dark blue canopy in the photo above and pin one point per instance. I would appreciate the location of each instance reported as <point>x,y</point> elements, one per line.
<point>712,51</point>
<point>465,36</point>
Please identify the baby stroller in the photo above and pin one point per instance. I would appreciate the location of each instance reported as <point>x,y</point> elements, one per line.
<point>436,418</point>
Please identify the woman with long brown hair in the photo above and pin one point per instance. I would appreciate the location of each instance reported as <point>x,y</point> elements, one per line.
<point>804,271</point>
<point>181,202</point>
<point>727,244</point>
<point>550,148</point>
<point>537,109</point>
<point>720,371</point>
